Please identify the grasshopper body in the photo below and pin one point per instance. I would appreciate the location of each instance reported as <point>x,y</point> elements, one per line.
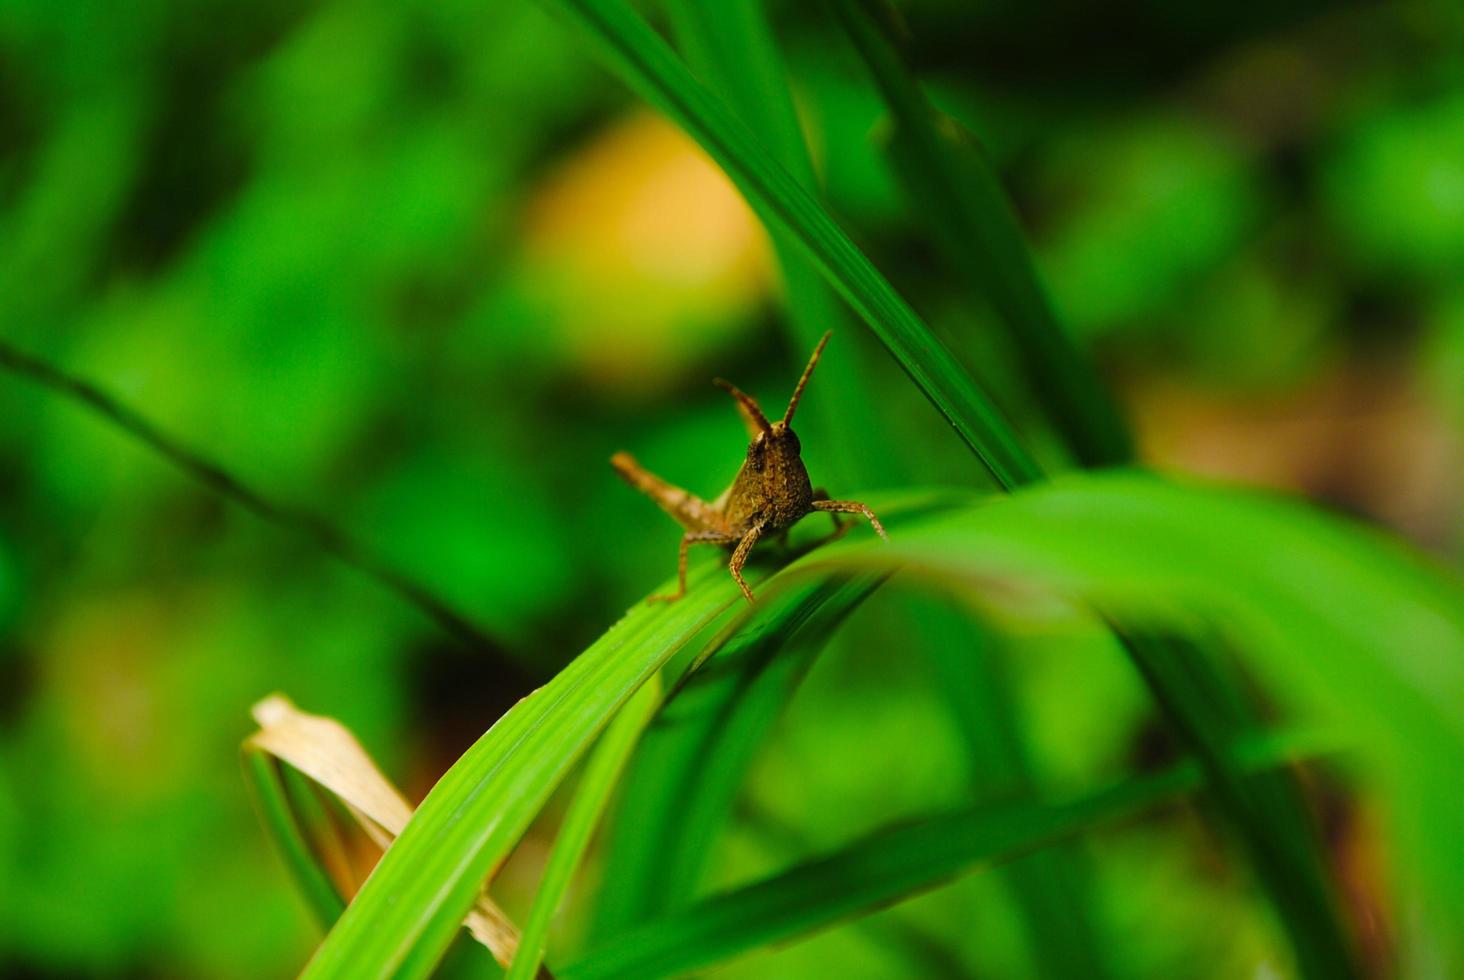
<point>770,493</point>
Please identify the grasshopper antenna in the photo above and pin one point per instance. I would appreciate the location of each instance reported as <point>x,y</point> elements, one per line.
<point>750,410</point>
<point>807,373</point>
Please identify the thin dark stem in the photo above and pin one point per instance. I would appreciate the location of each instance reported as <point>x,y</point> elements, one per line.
<point>325,536</point>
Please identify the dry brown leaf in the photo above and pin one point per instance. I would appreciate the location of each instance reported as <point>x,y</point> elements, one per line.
<point>325,751</point>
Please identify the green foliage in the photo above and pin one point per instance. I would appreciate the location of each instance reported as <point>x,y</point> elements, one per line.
<point>397,280</point>
<point>950,181</point>
<point>1080,541</point>
<point>650,65</point>
<point>886,867</point>
<point>696,755</point>
<point>602,773</point>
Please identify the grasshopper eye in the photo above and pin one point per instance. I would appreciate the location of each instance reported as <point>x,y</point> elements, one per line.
<point>756,453</point>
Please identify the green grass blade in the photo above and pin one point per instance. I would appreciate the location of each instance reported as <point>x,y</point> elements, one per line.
<point>1205,705</point>
<point>730,46</point>
<point>262,775</point>
<point>653,69</point>
<point>321,534</point>
<point>409,909</point>
<point>695,755</point>
<point>1331,618</point>
<point>868,875</point>
<point>602,773</point>
<point>954,187</point>
<point>1145,552</point>
<point>1053,889</point>
<point>1334,614</point>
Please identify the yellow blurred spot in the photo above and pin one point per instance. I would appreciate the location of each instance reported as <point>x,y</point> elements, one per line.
<point>103,669</point>
<point>646,253</point>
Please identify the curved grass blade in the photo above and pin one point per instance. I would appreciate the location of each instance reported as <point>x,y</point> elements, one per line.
<point>409,909</point>
<point>648,65</point>
<point>1329,617</point>
<point>694,757</point>
<point>730,46</point>
<point>953,186</point>
<point>1141,550</point>
<point>262,775</point>
<point>874,872</point>
<point>327,537</point>
<point>602,773</point>
<point>1389,626</point>
<point>1052,889</point>
<point>1202,701</point>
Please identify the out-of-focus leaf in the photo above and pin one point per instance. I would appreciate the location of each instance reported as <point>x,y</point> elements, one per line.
<point>960,197</point>
<point>1333,619</point>
<point>871,873</point>
<point>1158,203</point>
<point>1054,889</point>
<point>1206,706</point>
<point>1395,190</point>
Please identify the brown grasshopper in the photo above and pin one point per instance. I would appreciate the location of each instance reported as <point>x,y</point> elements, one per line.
<point>770,493</point>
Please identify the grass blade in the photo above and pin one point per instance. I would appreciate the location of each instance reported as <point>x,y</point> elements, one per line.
<point>602,773</point>
<point>1204,704</point>
<point>407,912</point>
<point>323,535</point>
<point>696,753</point>
<point>409,909</point>
<point>953,186</point>
<point>647,63</point>
<point>652,68</point>
<point>870,874</point>
<point>1330,618</point>
<point>1053,889</point>
<point>262,775</point>
<point>1142,550</point>
<point>730,46</point>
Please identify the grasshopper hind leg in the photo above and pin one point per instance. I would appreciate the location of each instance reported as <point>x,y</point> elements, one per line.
<point>689,510</point>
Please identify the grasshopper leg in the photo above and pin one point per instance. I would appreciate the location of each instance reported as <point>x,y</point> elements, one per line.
<point>687,540</point>
<point>841,526</point>
<point>689,510</point>
<point>739,558</point>
<point>851,507</point>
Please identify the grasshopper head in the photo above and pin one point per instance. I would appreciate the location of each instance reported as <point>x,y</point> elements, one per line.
<point>772,488</point>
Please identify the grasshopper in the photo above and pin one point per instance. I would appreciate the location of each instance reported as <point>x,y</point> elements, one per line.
<point>770,493</point>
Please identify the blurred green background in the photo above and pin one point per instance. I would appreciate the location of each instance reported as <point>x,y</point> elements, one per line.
<point>422,268</point>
